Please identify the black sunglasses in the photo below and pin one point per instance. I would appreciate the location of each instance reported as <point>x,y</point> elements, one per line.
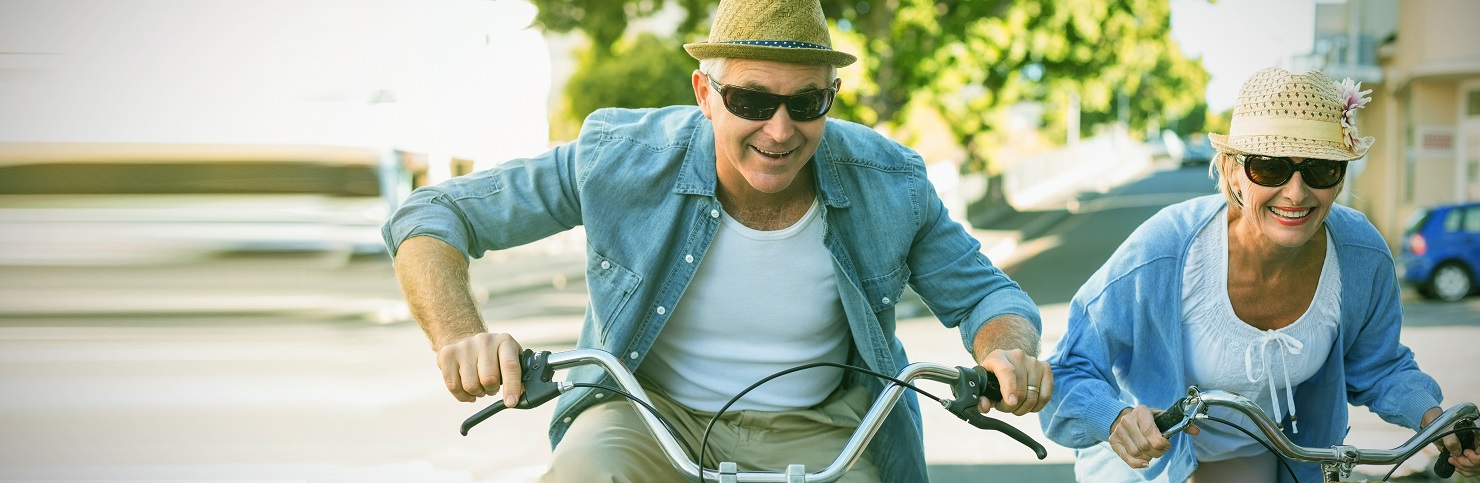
<point>1275,171</point>
<point>760,106</point>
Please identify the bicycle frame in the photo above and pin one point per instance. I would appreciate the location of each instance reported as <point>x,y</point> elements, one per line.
<point>539,389</point>
<point>1336,462</point>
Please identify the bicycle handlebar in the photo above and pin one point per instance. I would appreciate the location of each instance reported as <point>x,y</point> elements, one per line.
<point>1195,405</point>
<point>967,385</point>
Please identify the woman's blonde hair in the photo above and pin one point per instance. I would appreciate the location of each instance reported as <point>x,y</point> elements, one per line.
<point>1221,171</point>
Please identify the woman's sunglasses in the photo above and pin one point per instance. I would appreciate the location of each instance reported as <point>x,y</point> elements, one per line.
<point>760,106</point>
<point>1275,171</point>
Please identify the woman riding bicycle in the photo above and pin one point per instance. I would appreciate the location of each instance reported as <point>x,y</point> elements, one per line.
<point>1271,291</point>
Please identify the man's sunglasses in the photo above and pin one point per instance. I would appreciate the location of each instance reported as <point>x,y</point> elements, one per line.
<point>1275,171</point>
<point>760,106</point>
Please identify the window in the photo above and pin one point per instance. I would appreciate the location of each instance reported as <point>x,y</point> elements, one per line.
<point>1472,219</point>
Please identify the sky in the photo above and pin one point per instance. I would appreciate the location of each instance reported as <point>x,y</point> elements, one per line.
<point>1237,38</point>
<point>458,77</point>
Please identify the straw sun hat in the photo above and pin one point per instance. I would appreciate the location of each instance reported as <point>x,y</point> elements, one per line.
<point>1307,115</point>
<point>780,30</point>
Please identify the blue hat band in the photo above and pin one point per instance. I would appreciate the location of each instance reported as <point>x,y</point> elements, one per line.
<point>778,43</point>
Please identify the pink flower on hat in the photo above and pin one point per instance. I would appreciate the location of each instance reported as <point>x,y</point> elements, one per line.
<point>1352,97</point>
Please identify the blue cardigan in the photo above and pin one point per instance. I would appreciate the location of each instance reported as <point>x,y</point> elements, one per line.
<point>1124,347</point>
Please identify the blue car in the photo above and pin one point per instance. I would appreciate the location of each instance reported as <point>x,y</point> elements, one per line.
<point>1441,251</point>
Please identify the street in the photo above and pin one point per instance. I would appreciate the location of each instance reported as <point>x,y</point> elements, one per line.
<point>308,369</point>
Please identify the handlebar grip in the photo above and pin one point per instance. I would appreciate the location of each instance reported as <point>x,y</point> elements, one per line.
<point>535,372</point>
<point>990,387</point>
<point>1442,468</point>
<point>1169,418</point>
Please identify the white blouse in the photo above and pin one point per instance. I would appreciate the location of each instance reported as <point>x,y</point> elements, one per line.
<point>1225,353</point>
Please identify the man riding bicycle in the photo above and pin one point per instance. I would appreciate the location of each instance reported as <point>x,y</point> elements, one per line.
<point>725,242</point>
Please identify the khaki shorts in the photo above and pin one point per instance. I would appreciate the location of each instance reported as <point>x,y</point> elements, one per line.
<point>609,442</point>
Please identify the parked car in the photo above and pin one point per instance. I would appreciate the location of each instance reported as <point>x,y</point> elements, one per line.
<point>1199,151</point>
<point>1165,147</point>
<point>1441,251</point>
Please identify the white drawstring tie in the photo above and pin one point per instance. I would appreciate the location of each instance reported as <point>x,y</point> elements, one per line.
<point>1291,346</point>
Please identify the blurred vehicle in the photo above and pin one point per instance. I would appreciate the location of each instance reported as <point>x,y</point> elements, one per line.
<point>1441,251</point>
<point>1199,151</point>
<point>111,204</point>
<point>1166,147</point>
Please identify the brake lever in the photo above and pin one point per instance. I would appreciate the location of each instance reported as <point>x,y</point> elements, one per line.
<point>536,373</point>
<point>973,383</point>
<point>1177,418</point>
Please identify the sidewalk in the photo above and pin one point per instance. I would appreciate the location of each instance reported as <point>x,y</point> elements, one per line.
<point>1039,198</point>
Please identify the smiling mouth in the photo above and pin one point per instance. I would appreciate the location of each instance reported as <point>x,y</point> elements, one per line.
<point>772,154</point>
<point>1290,214</point>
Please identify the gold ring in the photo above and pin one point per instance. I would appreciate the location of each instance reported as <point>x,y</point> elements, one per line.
<point>1032,388</point>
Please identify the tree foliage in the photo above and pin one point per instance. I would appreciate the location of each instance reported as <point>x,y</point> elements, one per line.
<point>641,71</point>
<point>969,61</point>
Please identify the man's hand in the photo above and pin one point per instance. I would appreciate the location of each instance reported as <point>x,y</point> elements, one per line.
<point>1466,461</point>
<point>1135,438</point>
<point>1007,346</point>
<point>1027,383</point>
<point>477,365</point>
<point>434,277</point>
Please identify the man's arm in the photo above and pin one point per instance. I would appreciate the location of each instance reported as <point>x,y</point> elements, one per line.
<point>435,281</point>
<point>1008,347</point>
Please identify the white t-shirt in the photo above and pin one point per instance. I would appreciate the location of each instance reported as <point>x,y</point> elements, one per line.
<point>761,302</point>
<point>1225,353</point>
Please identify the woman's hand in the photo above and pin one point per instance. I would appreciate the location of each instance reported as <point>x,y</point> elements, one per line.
<point>1135,438</point>
<point>1466,461</point>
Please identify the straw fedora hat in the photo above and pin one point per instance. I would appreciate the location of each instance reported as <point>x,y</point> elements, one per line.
<point>780,30</point>
<point>1307,115</point>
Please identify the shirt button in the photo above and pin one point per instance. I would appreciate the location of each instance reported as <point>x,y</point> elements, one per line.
<point>605,265</point>
<point>633,355</point>
<point>566,420</point>
<point>600,395</point>
<point>662,311</point>
<point>688,258</point>
<point>714,213</point>
<point>886,300</point>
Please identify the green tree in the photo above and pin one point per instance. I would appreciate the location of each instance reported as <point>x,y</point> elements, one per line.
<point>1169,95</point>
<point>1051,52</point>
<point>603,21</point>
<point>967,60</point>
<point>641,71</point>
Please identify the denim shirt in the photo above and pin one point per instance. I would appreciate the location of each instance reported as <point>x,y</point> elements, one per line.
<point>642,182</point>
<point>1124,347</point>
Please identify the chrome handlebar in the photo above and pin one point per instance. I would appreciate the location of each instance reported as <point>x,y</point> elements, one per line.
<point>1194,406</point>
<point>967,383</point>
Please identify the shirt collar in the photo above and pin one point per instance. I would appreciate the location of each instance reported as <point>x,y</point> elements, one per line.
<point>697,175</point>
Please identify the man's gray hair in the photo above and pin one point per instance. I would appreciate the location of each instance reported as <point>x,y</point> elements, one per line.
<point>715,68</point>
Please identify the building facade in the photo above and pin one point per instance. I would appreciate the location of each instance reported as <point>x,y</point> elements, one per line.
<point>1421,58</point>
